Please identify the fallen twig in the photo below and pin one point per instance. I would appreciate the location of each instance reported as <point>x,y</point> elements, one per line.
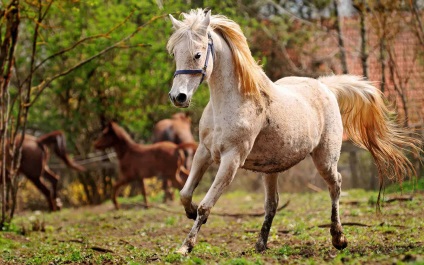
<point>100,249</point>
<point>401,198</point>
<point>350,202</point>
<point>358,224</point>
<point>343,224</point>
<point>278,231</point>
<point>72,240</point>
<point>235,215</point>
<point>397,226</point>
<point>126,242</point>
<point>313,187</point>
<point>286,231</point>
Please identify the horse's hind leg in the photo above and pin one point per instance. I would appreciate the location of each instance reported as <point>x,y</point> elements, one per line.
<point>54,179</point>
<point>326,163</point>
<point>41,187</point>
<point>271,202</point>
<point>143,192</point>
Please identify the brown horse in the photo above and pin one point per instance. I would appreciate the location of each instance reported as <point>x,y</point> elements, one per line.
<point>176,130</point>
<point>33,164</point>
<point>137,161</point>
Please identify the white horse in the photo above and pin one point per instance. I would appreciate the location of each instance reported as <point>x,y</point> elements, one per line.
<point>253,123</point>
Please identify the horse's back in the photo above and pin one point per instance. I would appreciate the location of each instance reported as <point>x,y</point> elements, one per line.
<point>174,130</point>
<point>299,116</point>
<point>163,131</point>
<point>156,158</point>
<point>316,98</point>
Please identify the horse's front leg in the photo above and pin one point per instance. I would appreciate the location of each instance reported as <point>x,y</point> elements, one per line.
<point>230,162</point>
<point>201,161</point>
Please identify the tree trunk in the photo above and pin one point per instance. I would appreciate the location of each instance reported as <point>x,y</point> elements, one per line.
<point>340,39</point>
<point>364,54</point>
<point>353,163</point>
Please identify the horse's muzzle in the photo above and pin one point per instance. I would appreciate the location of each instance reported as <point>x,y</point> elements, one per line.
<point>180,100</point>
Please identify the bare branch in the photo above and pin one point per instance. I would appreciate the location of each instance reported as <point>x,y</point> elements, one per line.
<point>40,88</point>
<point>293,68</point>
<point>76,44</point>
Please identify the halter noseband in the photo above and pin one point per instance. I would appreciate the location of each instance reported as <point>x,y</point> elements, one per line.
<point>203,70</point>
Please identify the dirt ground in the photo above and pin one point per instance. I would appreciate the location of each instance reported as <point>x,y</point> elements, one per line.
<point>299,235</point>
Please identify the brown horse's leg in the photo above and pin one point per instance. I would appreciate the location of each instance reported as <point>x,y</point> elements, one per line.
<point>334,182</point>
<point>143,191</point>
<point>167,189</point>
<point>41,187</point>
<point>54,179</point>
<point>165,184</point>
<point>115,190</point>
<point>271,202</point>
<point>201,161</point>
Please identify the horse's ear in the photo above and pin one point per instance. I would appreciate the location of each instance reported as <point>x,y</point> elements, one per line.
<point>205,22</point>
<point>175,22</point>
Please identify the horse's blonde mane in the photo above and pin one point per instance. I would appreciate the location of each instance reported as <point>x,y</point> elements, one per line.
<point>251,76</point>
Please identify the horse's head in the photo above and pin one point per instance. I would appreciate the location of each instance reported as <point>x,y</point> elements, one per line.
<point>107,138</point>
<point>183,117</point>
<point>192,48</point>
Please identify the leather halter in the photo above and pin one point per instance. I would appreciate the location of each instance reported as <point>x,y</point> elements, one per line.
<point>203,70</point>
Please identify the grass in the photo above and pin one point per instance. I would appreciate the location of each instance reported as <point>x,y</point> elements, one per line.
<point>134,235</point>
<point>406,187</point>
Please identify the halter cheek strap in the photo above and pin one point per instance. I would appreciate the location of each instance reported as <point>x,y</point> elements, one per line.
<point>203,70</point>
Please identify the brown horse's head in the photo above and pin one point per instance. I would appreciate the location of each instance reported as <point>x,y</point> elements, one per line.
<point>107,138</point>
<point>182,116</point>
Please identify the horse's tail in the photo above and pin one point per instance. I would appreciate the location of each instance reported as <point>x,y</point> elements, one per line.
<point>370,124</point>
<point>57,140</point>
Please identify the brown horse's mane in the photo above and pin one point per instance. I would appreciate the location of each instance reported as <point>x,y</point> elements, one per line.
<point>120,133</point>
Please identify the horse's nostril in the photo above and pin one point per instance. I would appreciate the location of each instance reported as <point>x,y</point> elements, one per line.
<point>181,98</point>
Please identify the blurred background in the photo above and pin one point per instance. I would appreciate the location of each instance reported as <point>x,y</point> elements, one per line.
<point>382,40</point>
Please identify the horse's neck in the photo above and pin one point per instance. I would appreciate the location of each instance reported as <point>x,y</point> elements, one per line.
<point>122,146</point>
<point>223,81</point>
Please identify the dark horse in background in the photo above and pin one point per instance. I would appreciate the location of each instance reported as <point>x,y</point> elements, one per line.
<point>176,130</point>
<point>138,161</point>
<point>34,159</point>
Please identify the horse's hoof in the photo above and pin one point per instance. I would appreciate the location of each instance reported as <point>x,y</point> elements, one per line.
<point>184,250</point>
<point>339,242</point>
<point>260,246</point>
<point>59,204</point>
<point>191,215</point>
<point>192,212</point>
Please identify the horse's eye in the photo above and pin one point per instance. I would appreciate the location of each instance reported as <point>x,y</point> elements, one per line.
<point>197,56</point>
